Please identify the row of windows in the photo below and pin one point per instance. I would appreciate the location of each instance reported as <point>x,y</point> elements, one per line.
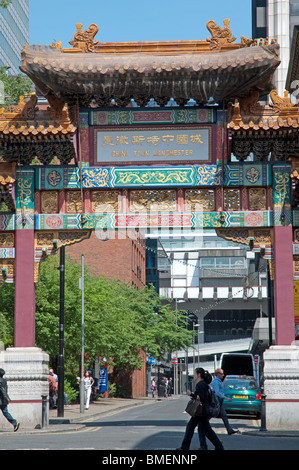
<point>223,262</point>
<point>14,33</point>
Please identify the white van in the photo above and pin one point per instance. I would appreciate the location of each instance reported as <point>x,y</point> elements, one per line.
<point>240,364</point>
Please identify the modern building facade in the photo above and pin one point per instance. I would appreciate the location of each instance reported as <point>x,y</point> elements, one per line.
<point>14,34</point>
<point>222,285</point>
<point>276,19</point>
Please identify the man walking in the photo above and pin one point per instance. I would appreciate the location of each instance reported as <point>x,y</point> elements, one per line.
<point>217,385</point>
<point>4,400</point>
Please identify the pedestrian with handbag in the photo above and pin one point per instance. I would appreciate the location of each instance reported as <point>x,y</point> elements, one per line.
<point>202,420</point>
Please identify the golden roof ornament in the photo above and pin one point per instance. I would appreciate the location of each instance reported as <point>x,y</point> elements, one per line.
<point>280,104</point>
<point>220,36</point>
<point>84,40</point>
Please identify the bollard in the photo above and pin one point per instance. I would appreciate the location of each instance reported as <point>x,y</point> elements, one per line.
<point>44,411</point>
<point>263,410</point>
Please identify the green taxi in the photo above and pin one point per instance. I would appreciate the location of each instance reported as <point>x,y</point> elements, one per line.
<point>245,395</point>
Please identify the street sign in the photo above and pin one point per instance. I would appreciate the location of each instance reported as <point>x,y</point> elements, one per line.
<point>103,380</point>
<point>174,361</point>
<point>151,361</point>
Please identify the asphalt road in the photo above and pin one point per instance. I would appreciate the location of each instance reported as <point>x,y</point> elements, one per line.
<point>154,426</point>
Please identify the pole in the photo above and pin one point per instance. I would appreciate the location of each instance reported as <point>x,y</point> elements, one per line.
<point>263,410</point>
<point>82,338</point>
<point>60,407</point>
<point>270,303</point>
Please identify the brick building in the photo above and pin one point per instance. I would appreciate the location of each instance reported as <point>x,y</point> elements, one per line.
<point>122,258</point>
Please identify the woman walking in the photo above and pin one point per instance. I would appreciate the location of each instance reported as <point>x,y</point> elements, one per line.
<point>153,387</point>
<point>202,379</point>
<point>88,383</point>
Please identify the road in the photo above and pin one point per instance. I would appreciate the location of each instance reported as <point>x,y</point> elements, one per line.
<point>154,426</point>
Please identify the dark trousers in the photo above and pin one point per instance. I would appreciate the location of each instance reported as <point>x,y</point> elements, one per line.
<point>204,430</point>
<point>224,418</point>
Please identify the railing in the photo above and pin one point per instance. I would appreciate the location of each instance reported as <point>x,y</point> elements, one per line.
<point>216,293</point>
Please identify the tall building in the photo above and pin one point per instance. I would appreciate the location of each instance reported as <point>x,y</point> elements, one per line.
<point>14,34</point>
<point>219,282</point>
<point>276,19</point>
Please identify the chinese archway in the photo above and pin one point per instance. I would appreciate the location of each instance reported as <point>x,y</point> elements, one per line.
<point>130,123</point>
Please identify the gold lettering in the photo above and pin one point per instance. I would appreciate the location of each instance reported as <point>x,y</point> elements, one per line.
<point>120,154</point>
<point>122,140</point>
<point>139,153</point>
<point>167,138</point>
<point>154,139</point>
<point>107,140</point>
<point>196,139</point>
<point>138,139</point>
<point>182,139</point>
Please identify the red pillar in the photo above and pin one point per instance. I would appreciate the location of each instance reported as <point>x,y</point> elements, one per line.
<point>283,281</point>
<point>24,289</point>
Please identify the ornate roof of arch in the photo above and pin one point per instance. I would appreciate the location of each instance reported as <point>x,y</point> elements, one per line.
<point>94,72</point>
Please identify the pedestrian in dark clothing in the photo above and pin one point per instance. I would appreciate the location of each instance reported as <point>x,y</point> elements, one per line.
<point>202,379</point>
<point>169,387</point>
<point>4,400</point>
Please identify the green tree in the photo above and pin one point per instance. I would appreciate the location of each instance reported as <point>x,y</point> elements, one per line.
<point>5,3</point>
<point>119,320</point>
<point>7,314</point>
<point>14,86</point>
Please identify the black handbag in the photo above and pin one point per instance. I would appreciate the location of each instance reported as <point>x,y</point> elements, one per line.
<point>194,408</point>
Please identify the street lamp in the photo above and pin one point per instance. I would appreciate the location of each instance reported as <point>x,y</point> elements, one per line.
<point>176,372</point>
<point>60,407</point>
<point>198,325</point>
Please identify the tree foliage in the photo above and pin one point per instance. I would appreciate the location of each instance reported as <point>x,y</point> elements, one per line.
<point>14,86</point>
<point>6,314</point>
<point>5,3</point>
<point>119,319</point>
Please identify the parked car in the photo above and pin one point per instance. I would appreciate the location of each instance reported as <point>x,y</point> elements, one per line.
<point>245,395</point>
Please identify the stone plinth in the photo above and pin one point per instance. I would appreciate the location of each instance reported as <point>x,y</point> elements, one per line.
<point>26,373</point>
<point>281,374</point>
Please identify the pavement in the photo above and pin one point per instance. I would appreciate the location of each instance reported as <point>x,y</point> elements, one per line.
<point>73,420</point>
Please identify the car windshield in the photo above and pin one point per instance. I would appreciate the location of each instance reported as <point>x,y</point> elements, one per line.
<point>240,384</point>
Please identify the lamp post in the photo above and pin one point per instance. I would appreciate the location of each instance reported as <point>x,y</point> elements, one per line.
<point>60,401</point>
<point>198,325</point>
<point>81,286</point>
<point>176,375</point>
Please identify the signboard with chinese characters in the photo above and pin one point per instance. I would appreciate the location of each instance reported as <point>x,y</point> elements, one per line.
<point>153,145</point>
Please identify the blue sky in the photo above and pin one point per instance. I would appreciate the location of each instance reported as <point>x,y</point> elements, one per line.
<point>135,20</point>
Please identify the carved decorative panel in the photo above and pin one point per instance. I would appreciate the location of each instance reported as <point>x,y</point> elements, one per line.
<point>49,202</point>
<point>44,239</point>
<point>231,200</point>
<point>257,199</point>
<point>296,265</point>
<point>105,201</point>
<point>74,202</point>
<point>7,239</point>
<point>200,200</point>
<point>155,200</point>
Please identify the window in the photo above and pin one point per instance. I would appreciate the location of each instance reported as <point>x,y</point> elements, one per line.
<point>261,20</point>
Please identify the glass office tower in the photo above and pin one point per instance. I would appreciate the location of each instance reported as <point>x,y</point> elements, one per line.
<point>276,19</point>
<point>14,34</point>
